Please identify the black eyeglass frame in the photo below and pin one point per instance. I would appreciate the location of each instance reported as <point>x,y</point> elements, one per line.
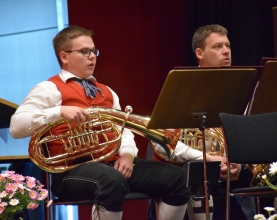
<point>94,51</point>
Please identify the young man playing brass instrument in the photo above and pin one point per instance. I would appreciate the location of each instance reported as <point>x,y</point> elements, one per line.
<point>212,48</point>
<point>107,182</point>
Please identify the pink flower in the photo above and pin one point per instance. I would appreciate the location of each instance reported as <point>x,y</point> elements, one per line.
<point>11,176</point>
<point>32,206</point>
<point>2,208</point>
<point>9,187</point>
<point>18,178</point>
<point>3,204</point>
<point>29,178</point>
<point>39,185</point>
<point>14,186</point>
<point>33,194</point>
<point>7,173</point>
<point>49,203</point>
<point>31,183</point>
<point>43,194</point>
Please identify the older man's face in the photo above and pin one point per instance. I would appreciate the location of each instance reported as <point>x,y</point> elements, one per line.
<point>217,51</point>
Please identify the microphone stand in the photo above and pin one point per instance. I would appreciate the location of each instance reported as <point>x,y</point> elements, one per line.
<point>202,116</point>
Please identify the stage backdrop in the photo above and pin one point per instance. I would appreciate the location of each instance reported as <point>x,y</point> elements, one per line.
<point>141,41</point>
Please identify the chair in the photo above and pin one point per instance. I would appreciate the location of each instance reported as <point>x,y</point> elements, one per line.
<point>250,139</point>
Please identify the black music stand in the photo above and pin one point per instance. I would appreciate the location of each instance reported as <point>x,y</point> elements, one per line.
<point>190,94</point>
<point>265,99</point>
<point>7,109</point>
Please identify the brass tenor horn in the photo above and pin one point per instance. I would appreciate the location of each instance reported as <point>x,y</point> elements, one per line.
<point>87,141</point>
<point>215,145</point>
<point>214,139</point>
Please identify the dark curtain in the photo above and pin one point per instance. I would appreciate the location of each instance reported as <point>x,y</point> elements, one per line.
<point>251,33</point>
<point>249,22</point>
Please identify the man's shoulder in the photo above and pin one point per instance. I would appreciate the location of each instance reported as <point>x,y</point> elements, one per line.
<point>45,83</point>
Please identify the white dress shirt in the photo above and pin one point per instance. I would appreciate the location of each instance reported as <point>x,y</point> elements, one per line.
<point>182,152</point>
<point>42,106</point>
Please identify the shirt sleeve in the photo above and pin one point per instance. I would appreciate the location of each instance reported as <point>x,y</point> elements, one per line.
<point>128,144</point>
<point>182,152</point>
<point>40,107</point>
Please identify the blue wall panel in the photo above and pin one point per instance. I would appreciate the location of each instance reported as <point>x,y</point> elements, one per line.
<point>27,57</point>
<point>26,15</point>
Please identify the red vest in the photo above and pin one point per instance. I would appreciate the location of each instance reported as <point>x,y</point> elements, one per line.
<point>74,95</point>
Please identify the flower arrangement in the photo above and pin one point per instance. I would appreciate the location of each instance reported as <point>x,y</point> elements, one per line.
<point>262,217</point>
<point>18,193</point>
<point>272,172</point>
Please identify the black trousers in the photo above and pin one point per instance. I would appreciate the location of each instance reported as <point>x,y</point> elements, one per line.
<point>108,187</point>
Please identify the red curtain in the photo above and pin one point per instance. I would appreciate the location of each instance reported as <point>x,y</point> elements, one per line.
<point>139,43</point>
